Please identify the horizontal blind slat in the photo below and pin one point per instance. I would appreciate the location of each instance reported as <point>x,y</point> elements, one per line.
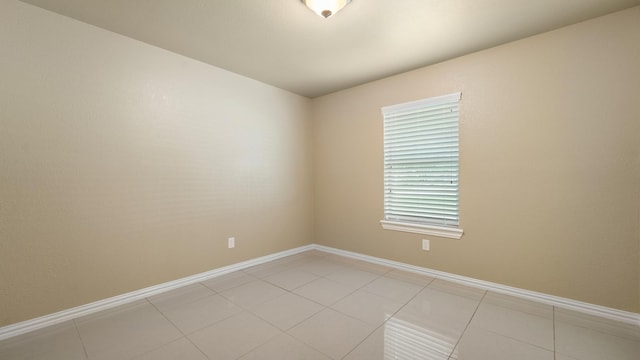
<point>425,134</point>
<point>449,118</point>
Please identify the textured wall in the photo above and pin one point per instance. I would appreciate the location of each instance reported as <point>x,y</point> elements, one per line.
<point>549,172</point>
<point>123,165</point>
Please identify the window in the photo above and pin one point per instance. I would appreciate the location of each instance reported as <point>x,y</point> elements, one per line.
<point>421,166</point>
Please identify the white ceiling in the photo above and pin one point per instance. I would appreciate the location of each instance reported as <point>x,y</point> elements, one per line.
<point>281,42</point>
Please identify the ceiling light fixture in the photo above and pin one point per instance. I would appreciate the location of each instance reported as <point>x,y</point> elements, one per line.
<point>326,8</point>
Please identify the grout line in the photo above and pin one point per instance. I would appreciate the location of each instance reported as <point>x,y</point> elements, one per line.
<point>386,320</point>
<point>197,347</point>
<point>468,323</point>
<point>251,309</point>
<point>365,339</point>
<point>509,336</point>
<point>184,335</point>
<point>243,310</point>
<point>165,316</point>
<point>84,348</point>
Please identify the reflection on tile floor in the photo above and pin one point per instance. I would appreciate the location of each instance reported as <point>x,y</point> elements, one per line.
<point>319,306</point>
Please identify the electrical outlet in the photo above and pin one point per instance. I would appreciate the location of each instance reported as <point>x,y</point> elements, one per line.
<point>426,245</point>
<point>231,242</point>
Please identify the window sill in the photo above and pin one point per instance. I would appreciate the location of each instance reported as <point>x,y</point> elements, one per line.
<point>453,233</point>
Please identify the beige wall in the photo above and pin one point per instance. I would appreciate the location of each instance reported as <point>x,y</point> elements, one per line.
<point>123,165</point>
<point>550,164</point>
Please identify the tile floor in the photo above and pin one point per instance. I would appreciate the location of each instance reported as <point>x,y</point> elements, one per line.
<point>319,306</point>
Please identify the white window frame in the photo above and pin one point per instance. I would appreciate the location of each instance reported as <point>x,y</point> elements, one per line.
<point>434,221</point>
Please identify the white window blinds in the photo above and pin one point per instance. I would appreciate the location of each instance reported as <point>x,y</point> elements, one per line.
<point>421,162</point>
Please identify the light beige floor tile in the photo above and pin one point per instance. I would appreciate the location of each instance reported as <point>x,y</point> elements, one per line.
<point>234,336</point>
<point>341,259</point>
<point>588,343</point>
<point>290,279</point>
<point>440,316</point>
<point>180,297</point>
<point>126,331</point>
<point>282,263</point>
<point>332,333</point>
<point>228,281</point>
<point>319,267</point>
<point>292,258</point>
<point>354,263</point>
<point>371,267</point>
<point>519,319</point>
<point>306,256</point>
<point>393,288</point>
<point>607,326</point>
<point>181,349</point>
<point>518,304</point>
<point>456,289</point>
<point>564,357</point>
<point>410,277</point>
<point>370,308</point>
<point>316,253</point>
<point>58,342</point>
<point>352,277</point>
<point>200,313</point>
<point>372,348</point>
<point>390,342</point>
<point>406,339</point>
<point>481,344</point>
<point>287,310</point>
<point>253,293</point>
<point>324,291</point>
<point>284,347</point>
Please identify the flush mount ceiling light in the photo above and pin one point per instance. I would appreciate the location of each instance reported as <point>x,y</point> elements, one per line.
<point>326,8</point>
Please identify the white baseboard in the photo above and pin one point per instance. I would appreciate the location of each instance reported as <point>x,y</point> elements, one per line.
<point>560,302</point>
<point>76,312</point>
<point>73,313</point>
